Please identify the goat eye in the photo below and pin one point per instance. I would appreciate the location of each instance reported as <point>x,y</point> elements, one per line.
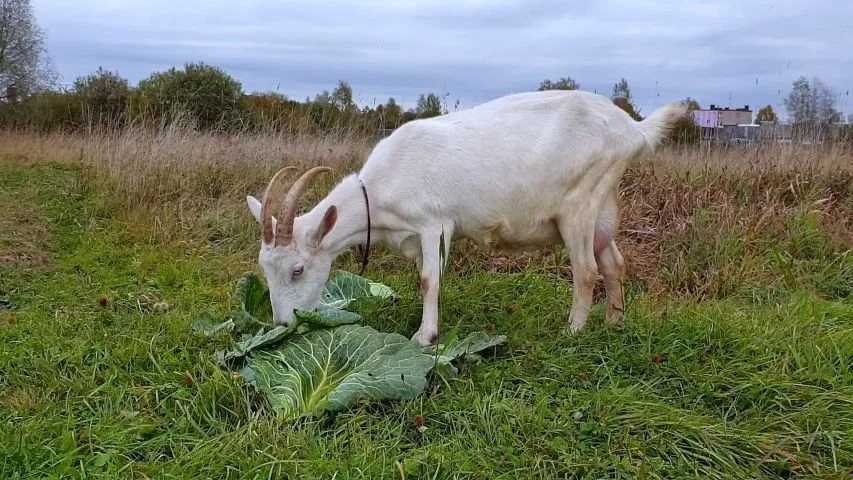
<point>297,271</point>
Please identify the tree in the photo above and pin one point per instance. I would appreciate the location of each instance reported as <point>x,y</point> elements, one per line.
<point>429,106</point>
<point>105,95</point>
<point>766,114</point>
<point>621,97</point>
<point>342,97</point>
<point>392,113</point>
<point>825,103</point>
<point>811,103</point>
<point>692,104</point>
<point>566,83</point>
<point>621,89</point>
<point>24,65</point>
<point>800,103</point>
<point>322,98</point>
<point>208,94</point>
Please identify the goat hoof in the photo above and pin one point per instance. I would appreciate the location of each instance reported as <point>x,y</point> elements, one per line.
<point>614,317</point>
<point>573,329</point>
<point>617,322</point>
<point>425,339</point>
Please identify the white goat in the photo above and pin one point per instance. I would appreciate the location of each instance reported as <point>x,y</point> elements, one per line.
<point>524,170</point>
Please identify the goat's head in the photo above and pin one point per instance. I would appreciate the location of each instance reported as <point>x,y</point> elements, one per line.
<point>295,266</point>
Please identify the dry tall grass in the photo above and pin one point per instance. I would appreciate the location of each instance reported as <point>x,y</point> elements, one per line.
<point>694,220</point>
<point>711,224</point>
<point>155,167</point>
<point>178,179</point>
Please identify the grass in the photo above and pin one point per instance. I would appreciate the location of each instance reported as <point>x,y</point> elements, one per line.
<point>736,360</point>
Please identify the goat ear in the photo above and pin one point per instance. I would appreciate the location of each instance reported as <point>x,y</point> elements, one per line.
<point>254,207</point>
<point>326,225</point>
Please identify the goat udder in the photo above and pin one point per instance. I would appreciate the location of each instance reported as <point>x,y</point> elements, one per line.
<point>601,241</point>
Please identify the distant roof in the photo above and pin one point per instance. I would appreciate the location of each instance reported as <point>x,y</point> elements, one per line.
<point>717,108</point>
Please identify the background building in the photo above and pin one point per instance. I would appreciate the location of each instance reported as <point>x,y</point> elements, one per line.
<point>715,116</point>
<point>726,125</point>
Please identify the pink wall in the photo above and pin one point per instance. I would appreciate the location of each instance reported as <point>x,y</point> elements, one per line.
<point>706,118</point>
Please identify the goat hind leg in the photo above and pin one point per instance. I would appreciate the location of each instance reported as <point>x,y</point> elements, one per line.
<point>612,267</point>
<point>609,259</point>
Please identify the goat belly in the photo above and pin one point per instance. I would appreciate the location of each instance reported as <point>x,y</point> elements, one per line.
<point>514,237</point>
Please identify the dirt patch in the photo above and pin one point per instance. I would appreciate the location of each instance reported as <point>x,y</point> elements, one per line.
<point>24,232</point>
<point>23,236</point>
<point>20,400</point>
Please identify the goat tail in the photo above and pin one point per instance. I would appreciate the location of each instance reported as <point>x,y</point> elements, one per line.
<point>660,123</point>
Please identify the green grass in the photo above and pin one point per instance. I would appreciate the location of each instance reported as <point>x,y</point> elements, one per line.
<point>740,386</point>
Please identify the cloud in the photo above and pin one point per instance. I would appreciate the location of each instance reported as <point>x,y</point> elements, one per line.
<point>743,52</point>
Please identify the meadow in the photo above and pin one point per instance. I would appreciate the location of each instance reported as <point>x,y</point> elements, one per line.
<point>736,360</point>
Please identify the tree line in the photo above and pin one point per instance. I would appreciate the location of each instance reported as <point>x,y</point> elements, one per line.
<point>208,98</point>
<point>203,96</point>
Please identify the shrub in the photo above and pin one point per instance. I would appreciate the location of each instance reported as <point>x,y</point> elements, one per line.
<point>274,112</point>
<point>685,131</point>
<point>209,95</point>
<point>628,106</point>
<point>105,96</point>
<point>43,112</point>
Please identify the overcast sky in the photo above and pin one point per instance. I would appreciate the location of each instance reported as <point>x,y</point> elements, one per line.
<point>723,52</point>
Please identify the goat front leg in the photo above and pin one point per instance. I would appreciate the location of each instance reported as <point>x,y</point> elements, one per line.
<point>431,267</point>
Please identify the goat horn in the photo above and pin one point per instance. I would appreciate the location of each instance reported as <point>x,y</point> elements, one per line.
<point>284,228</point>
<point>271,194</point>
